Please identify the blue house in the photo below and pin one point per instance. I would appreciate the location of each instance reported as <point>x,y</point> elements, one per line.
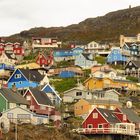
<point>132,49</point>
<point>62,54</point>
<point>77,51</point>
<point>24,78</point>
<point>66,74</point>
<point>116,57</point>
<point>52,94</point>
<point>6,67</point>
<point>85,60</point>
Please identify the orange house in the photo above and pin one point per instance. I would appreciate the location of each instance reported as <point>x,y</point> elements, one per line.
<point>94,83</point>
<point>83,106</point>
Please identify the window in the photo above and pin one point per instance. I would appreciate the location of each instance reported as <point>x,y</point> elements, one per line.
<point>28,98</point>
<point>124,117</point>
<point>20,82</point>
<point>81,107</point>
<point>32,107</point>
<point>17,76</point>
<point>42,107</point>
<point>133,69</point>
<point>100,126</point>
<point>95,115</point>
<point>78,93</point>
<point>90,125</point>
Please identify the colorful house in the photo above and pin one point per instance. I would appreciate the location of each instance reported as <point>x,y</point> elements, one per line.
<point>52,94</point>
<point>24,116</point>
<point>24,78</point>
<point>104,121</point>
<point>66,74</point>
<point>40,43</point>
<point>100,118</point>
<point>132,68</point>
<point>95,83</point>
<point>8,58</point>
<point>44,60</point>
<point>39,101</point>
<point>10,99</point>
<point>104,99</point>
<point>85,60</point>
<point>132,116</point>
<point>75,94</point>
<point>77,51</point>
<point>116,57</point>
<point>62,54</point>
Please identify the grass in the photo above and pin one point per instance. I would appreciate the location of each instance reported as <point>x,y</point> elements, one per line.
<point>64,84</point>
<point>134,79</point>
<point>100,59</point>
<point>65,63</point>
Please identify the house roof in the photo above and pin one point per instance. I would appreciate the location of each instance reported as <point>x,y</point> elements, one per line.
<point>86,55</point>
<point>10,56</point>
<point>132,116</point>
<point>13,97</point>
<point>130,44</point>
<point>32,75</point>
<point>49,89</point>
<point>137,63</point>
<point>40,96</point>
<point>102,101</point>
<point>108,115</point>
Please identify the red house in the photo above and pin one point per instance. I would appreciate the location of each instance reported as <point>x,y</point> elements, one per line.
<point>39,102</point>
<point>100,118</point>
<point>44,60</point>
<point>127,115</point>
<point>18,49</point>
<point>1,48</point>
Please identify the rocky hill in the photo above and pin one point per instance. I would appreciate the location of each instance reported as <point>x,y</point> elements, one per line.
<point>103,28</point>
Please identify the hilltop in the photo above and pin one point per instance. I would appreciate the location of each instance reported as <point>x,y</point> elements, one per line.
<point>104,28</point>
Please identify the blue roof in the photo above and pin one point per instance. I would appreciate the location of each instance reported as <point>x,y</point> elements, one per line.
<point>48,89</point>
<point>116,55</point>
<point>66,74</point>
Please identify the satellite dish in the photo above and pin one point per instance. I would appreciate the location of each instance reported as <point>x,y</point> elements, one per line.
<point>4,124</point>
<point>129,104</point>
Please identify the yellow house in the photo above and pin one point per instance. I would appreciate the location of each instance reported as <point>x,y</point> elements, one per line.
<point>84,106</point>
<point>94,83</point>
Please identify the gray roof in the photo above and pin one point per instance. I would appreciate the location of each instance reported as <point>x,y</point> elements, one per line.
<point>137,63</point>
<point>108,115</point>
<point>132,116</point>
<point>41,96</point>
<point>32,75</point>
<point>10,56</point>
<point>13,97</point>
<point>86,55</point>
<point>101,101</point>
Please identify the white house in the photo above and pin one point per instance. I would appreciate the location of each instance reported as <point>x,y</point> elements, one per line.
<point>22,115</point>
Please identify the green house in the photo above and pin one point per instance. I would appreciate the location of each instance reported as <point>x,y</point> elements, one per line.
<point>10,99</point>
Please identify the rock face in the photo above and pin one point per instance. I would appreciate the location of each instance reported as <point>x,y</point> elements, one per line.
<point>104,28</point>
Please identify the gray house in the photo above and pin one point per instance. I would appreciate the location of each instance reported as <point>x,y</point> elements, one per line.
<point>76,94</point>
<point>85,60</point>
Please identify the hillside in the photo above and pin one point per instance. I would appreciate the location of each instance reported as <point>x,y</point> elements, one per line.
<point>104,28</point>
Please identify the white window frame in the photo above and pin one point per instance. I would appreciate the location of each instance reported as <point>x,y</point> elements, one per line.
<point>100,125</point>
<point>95,115</point>
<point>28,97</point>
<point>17,76</point>
<point>124,117</point>
<point>90,125</point>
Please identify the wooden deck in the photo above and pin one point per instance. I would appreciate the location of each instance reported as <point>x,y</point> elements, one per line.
<point>120,131</point>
